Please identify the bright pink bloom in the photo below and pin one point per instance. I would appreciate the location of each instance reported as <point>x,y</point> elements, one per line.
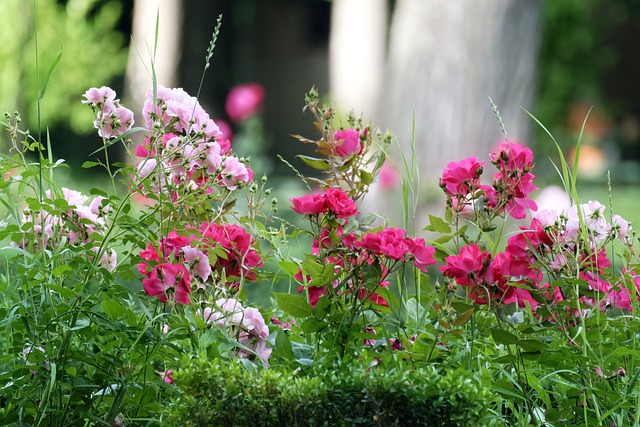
<point>348,142</point>
<point>389,177</point>
<point>244,100</point>
<point>309,204</point>
<point>339,203</point>
<point>461,178</point>
<point>392,243</point>
<point>511,156</point>
<point>166,280</point>
<point>467,268</point>
<point>422,254</point>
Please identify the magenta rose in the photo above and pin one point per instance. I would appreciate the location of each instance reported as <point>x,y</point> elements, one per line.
<point>310,204</point>
<point>348,142</point>
<point>244,100</point>
<point>339,203</point>
<point>459,178</point>
<point>422,254</point>
<point>512,156</point>
<point>469,262</point>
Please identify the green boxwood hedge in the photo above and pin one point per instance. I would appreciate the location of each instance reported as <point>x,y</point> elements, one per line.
<point>217,393</point>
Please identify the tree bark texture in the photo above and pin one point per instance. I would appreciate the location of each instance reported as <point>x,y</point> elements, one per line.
<point>445,59</point>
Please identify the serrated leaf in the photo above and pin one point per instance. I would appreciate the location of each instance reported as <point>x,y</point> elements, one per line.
<point>312,325</point>
<point>463,318</point>
<point>317,164</point>
<point>292,304</point>
<point>437,224</point>
<point>365,177</point>
<point>289,266</point>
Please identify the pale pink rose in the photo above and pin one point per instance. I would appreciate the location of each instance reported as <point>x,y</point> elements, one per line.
<point>234,171</point>
<point>145,167</point>
<point>98,97</point>
<point>199,261</point>
<point>244,100</point>
<point>621,227</point>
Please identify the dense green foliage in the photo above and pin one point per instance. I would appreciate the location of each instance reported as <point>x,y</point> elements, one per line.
<point>227,394</point>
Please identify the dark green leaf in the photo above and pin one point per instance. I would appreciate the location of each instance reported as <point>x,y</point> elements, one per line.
<point>503,337</point>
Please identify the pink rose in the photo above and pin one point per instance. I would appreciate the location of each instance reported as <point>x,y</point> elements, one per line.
<point>310,204</point>
<point>348,142</point>
<point>460,178</point>
<point>244,100</point>
<point>422,254</point>
<point>512,156</point>
<point>339,203</point>
<point>469,262</point>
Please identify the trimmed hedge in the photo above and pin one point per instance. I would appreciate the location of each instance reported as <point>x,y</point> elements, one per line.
<point>216,393</point>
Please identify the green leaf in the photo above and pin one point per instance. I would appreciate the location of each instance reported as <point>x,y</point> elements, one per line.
<point>60,270</point>
<point>112,309</point>
<point>289,266</point>
<point>506,359</point>
<point>532,345</point>
<point>283,345</point>
<point>47,77</point>
<point>87,164</point>
<point>463,318</point>
<point>317,164</point>
<point>438,225</point>
<point>365,177</point>
<point>64,292</point>
<point>503,337</point>
<point>292,304</point>
<point>312,325</point>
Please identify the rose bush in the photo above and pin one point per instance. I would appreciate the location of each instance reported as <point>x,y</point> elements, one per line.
<point>106,302</point>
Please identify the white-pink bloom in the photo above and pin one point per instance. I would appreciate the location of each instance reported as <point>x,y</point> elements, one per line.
<point>145,167</point>
<point>198,261</point>
<point>232,310</point>
<point>73,197</point>
<point>547,217</point>
<point>234,171</point>
<point>97,97</point>
<point>96,206</point>
<point>254,323</point>
<point>621,227</point>
<point>115,122</point>
<point>213,159</point>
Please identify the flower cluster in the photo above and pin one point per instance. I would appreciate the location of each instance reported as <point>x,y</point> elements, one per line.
<point>112,119</point>
<point>355,255</point>
<point>81,222</point>
<point>334,201</point>
<point>186,151</point>
<point>512,183</point>
<point>244,323</point>
<point>555,246</point>
<point>213,255</point>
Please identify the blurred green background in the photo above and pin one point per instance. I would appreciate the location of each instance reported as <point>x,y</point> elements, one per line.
<point>586,59</point>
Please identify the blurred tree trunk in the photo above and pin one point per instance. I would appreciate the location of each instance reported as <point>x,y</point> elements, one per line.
<point>138,78</point>
<point>357,54</point>
<point>445,59</point>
